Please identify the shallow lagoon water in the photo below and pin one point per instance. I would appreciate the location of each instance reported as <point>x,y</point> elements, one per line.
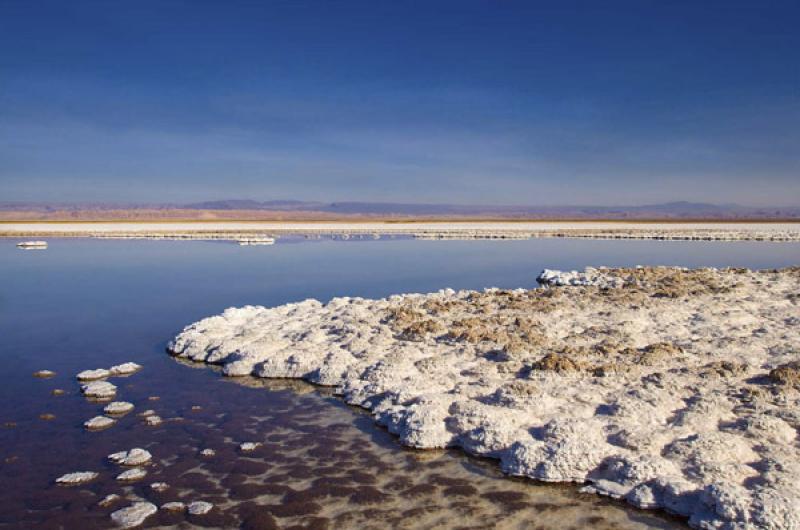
<point>93,303</point>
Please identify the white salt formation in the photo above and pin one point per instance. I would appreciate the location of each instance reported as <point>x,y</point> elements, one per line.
<point>78,477</point>
<point>102,373</point>
<point>99,423</point>
<point>109,499</point>
<point>99,390</point>
<point>93,375</point>
<point>153,420</point>
<point>199,507</point>
<point>159,486</point>
<point>246,447</point>
<point>125,369</point>
<point>133,515</point>
<point>118,407</point>
<point>131,475</point>
<point>135,457</point>
<point>174,506</point>
<point>665,387</point>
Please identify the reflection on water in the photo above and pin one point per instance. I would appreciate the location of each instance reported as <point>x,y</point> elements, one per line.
<point>89,304</point>
<point>319,464</point>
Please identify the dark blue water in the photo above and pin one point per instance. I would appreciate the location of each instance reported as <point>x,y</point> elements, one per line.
<point>92,303</point>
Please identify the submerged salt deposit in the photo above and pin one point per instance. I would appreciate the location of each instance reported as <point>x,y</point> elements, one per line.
<point>133,515</point>
<point>665,387</point>
<point>78,477</point>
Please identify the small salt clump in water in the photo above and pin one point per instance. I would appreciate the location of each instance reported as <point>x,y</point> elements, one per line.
<point>130,475</point>
<point>57,392</point>
<point>93,375</point>
<point>46,416</point>
<point>109,499</point>
<point>174,506</point>
<point>199,507</point>
<point>159,486</point>
<point>78,477</point>
<point>99,389</point>
<point>135,457</point>
<point>118,407</point>
<point>44,374</point>
<point>99,422</point>
<point>148,412</point>
<point>152,421</point>
<point>133,515</point>
<point>248,446</point>
<point>125,369</point>
<point>207,452</point>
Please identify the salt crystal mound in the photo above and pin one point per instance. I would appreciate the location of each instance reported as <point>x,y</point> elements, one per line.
<point>199,507</point>
<point>135,457</point>
<point>133,515</point>
<point>125,369</point>
<point>118,407</point>
<point>78,477</point>
<point>102,373</point>
<point>131,475</point>
<point>99,423</point>
<point>590,276</point>
<point>99,390</point>
<point>92,375</point>
<point>672,390</point>
<point>109,499</point>
<point>173,506</point>
<point>152,420</point>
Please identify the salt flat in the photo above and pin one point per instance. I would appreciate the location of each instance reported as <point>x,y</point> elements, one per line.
<point>666,387</point>
<point>647,230</point>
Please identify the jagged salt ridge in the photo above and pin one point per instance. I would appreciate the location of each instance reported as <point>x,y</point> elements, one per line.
<point>665,387</point>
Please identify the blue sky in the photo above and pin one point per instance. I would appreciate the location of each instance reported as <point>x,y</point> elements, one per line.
<point>462,102</point>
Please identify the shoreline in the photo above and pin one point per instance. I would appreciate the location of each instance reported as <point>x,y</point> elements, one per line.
<point>686,231</point>
<point>555,383</point>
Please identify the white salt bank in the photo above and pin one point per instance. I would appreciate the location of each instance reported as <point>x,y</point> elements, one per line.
<point>665,387</point>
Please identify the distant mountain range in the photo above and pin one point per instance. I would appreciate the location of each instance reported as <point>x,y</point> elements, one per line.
<point>296,210</point>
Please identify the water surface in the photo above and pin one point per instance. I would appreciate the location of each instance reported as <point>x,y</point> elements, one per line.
<point>93,303</point>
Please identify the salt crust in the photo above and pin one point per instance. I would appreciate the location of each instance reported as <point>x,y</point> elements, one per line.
<point>651,385</point>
